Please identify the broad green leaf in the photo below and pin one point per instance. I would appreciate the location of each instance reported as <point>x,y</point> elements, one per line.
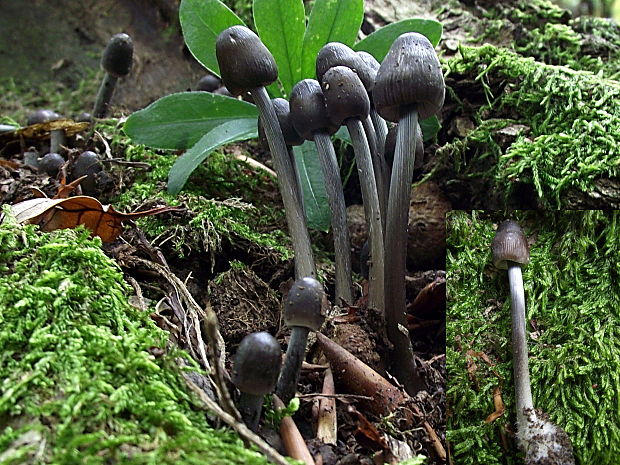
<point>430,128</point>
<point>330,21</point>
<point>226,133</point>
<point>201,22</point>
<point>281,26</point>
<point>379,42</point>
<point>178,121</point>
<point>313,186</point>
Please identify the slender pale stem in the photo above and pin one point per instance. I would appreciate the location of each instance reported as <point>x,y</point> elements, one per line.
<point>523,392</point>
<point>289,189</point>
<point>57,138</point>
<point>300,195</point>
<point>380,167</point>
<point>370,197</point>
<point>395,253</point>
<point>104,95</point>
<point>335,197</point>
<point>250,406</point>
<point>295,353</point>
<point>380,128</point>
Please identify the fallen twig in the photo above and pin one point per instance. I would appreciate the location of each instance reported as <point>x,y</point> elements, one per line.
<point>294,443</point>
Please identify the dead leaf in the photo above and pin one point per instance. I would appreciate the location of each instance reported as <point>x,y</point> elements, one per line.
<point>63,213</point>
<point>498,404</point>
<point>372,438</point>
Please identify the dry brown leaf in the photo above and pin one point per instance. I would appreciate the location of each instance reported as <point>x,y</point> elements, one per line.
<point>498,403</point>
<point>63,213</point>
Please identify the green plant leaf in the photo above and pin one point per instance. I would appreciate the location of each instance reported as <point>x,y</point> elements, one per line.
<point>313,186</point>
<point>379,42</point>
<point>201,22</point>
<point>330,21</point>
<point>178,121</point>
<point>281,26</point>
<point>226,133</point>
<point>430,128</point>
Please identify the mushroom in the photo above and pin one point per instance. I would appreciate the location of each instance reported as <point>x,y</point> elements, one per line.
<point>116,62</point>
<point>57,136</point>
<point>390,146</point>
<point>247,65</point>
<point>87,164</point>
<point>255,372</point>
<point>209,83</point>
<point>542,441</point>
<point>379,123</point>
<point>51,163</point>
<point>302,313</point>
<point>311,121</point>
<point>409,83</point>
<point>348,104</point>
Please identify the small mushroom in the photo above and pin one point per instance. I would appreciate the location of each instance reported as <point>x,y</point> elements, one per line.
<point>310,119</point>
<point>116,62</point>
<point>51,163</point>
<point>247,65</point>
<point>255,372</point>
<point>302,313</point>
<point>542,441</point>
<point>57,136</point>
<point>390,146</point>
<point>348,104</point>
<point>209,83</point>
<point>409,82</point>
<point>89,165</point>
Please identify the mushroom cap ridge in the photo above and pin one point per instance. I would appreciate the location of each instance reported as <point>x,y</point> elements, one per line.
<point>510,245</point>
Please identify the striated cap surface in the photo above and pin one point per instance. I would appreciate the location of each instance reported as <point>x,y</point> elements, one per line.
<point>510,245</point>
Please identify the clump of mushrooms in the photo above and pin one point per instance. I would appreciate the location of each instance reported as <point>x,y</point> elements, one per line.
<point>543,442</point>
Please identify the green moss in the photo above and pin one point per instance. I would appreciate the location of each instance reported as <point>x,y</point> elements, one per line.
<point>573,301</point>
<point>572,119</point>
<point>80,383</point>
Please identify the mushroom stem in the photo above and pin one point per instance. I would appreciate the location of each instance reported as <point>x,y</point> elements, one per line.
<point>519,344</point>
<point>300,195</point>
<point>380,167</point>
<point>250,406</point>
<point>335,196</point>
<point>289,188</point>
<point>380,128</point>
<point>295,353</point>
<point>370,197</point>
<point>57,138</point>
<point>395,258</point>
<point>104,95</point>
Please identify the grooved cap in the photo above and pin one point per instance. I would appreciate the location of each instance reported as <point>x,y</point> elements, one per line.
<point>117,56</point>
<point>409,75</point>
<point>308,109</point>
<point>256,365</point>
<point>345,95</point>
<point>303,304</point>
<point>510,245</point>
<point>245,62</point>
<point>337,54</point>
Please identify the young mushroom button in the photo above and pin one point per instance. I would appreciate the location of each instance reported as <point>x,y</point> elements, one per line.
<point>255,372</point>
<point>116,62</point>
<point>302,313</point>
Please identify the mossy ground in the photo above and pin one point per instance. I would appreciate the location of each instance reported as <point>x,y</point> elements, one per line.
<point>572,288</point>
<point>81,381</point>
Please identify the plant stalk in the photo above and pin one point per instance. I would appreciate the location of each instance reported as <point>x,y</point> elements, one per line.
<point>395,255</point>
<point>335,196</point>
<point>370,197</point>
<point>295,354</point>
<point>289,188</point>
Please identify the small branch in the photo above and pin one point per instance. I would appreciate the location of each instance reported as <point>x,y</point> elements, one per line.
<point>294,443</point>
<point>327,423</point>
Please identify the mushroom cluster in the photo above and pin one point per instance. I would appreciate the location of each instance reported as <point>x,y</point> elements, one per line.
<point>354,90</point>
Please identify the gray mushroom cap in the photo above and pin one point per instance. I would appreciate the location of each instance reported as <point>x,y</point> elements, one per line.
<point>345,95</point>
<point>118,55</point>
<point>256,365</point>
<point>304,303</point>
<point>308,109</point>
<point>409,75</point>
<point>283,112</point>
<point>245,62</point>
<point>510,245</point>
<point>372,67</point>
<point>42,116</point>
<point>337,54</point>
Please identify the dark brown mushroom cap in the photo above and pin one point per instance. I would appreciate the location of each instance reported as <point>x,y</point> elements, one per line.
<point>117,56</point>
<point>510,245</point>
<point>283,112</point>
<point>345,95</point>
<point>390,146</point>
<point>87,164</point>
<point>337,54</point>
<point>208,83</point>
<point>303,304</point>
<point>42,116</point>
<point>372,67</point>
<point>245,62</point>
<point>409,75</point>
<point>257,364</point>
<point>308,109</point>
<point>51,163</point>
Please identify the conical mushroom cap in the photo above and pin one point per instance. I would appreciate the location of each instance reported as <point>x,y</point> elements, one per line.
<point>257,364</point>
<point>117,56</point>
<point>245,62</point>
<point>372,67</point>
<point>308,109</point>
<point>409,75</point>
<point>510,245</point>
<point>345,95</point>
<point>303,304</point>
<point>337,54</point>
<point>283,112</point>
